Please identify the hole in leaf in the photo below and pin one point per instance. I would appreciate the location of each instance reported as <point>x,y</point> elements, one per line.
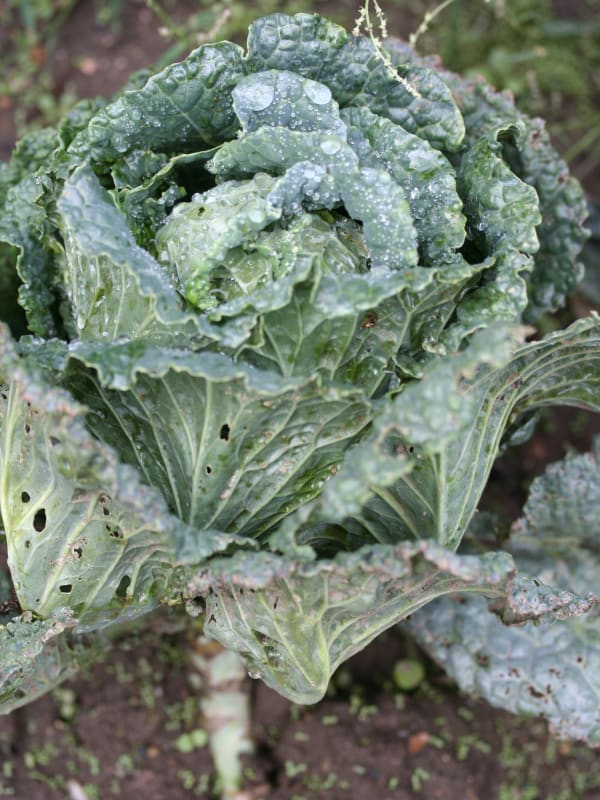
<point>78,552</point>
<point>122,587</point>
<point>27,544</point>
<point>114,531</point>
<point>66,588</point>
<point>25,497</point>
<point>224,432</point>
<point>104,501</point>
<point>54,441</point>
<point>27,428</point>
<point>208,469</point>
<point>39,521</point>
<point>195,606</point>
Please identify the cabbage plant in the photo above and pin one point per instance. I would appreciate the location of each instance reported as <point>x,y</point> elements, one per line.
<point>267,325</point>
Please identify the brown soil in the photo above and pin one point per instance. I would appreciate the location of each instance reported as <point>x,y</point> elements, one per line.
<point>116,731</point>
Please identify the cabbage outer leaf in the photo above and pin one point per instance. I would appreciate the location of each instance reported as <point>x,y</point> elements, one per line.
<point>552,668</point>
<point>295,622</point>
<point>83,533</point>
<point>35,656</point>
<point>258,604</point>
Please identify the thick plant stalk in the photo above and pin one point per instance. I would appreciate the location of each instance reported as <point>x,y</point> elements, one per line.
<point>223,680</point>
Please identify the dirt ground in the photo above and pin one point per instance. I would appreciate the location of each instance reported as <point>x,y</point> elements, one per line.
<point>119,731</point>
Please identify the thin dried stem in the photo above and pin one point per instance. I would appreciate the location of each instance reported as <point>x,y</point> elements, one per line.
<point>376,33</point>
<point>427,19</point>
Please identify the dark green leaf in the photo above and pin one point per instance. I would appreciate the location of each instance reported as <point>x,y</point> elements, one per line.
<point>184,107</point>
<point>315,48</point>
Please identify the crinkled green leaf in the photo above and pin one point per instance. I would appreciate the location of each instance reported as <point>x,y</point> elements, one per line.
<point>29,250</point>
<point>140,167</point>
<point>115,287</point>
<point>296,621</point>
<point>503,214</point>
<point>77,118</point>
<point>591,257</point>
<point>502,208</point>
<point>283,99</point>
<point>148,185</point>
<point>307,249</point>
<point>416,307</point>
<point>315,48</point>
<point>31,152</point>
<point>557,269</point>
<point>373,198</point>
<point>35,656</point>
<point>501,296</point>
<point>425,175</point>
<point>199,237</point>
<point>552,668</point>
<point>351,327</point>
<point>563,504</point>
<point>23,224</point>
<point>407,436</point>
<point>533,600</point>
<point>546,669</point>
<point>246,447</point>
<point>563,368</point>
<point>184,107</point>
<point>82,531</point>
<point>529,152</point>
<point>230,257</point>
<point>368,194</point>
<point>412,478</point>
<point>68,543</point>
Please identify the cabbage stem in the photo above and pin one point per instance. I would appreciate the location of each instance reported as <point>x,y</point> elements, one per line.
<point>222,678</point>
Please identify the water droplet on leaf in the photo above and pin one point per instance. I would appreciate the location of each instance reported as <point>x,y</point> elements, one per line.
<point>254,673</point>
<point>330,146</point>
<point>178,72</point>
<point>257,216</point>
<point>259,97</point>
<point>317,92</point>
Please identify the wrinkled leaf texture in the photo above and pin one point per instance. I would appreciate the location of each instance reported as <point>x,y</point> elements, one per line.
<point>551,668</point>
<point>275,300</point>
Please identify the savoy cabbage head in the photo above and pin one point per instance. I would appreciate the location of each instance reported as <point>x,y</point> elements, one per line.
<point>264,338</point>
